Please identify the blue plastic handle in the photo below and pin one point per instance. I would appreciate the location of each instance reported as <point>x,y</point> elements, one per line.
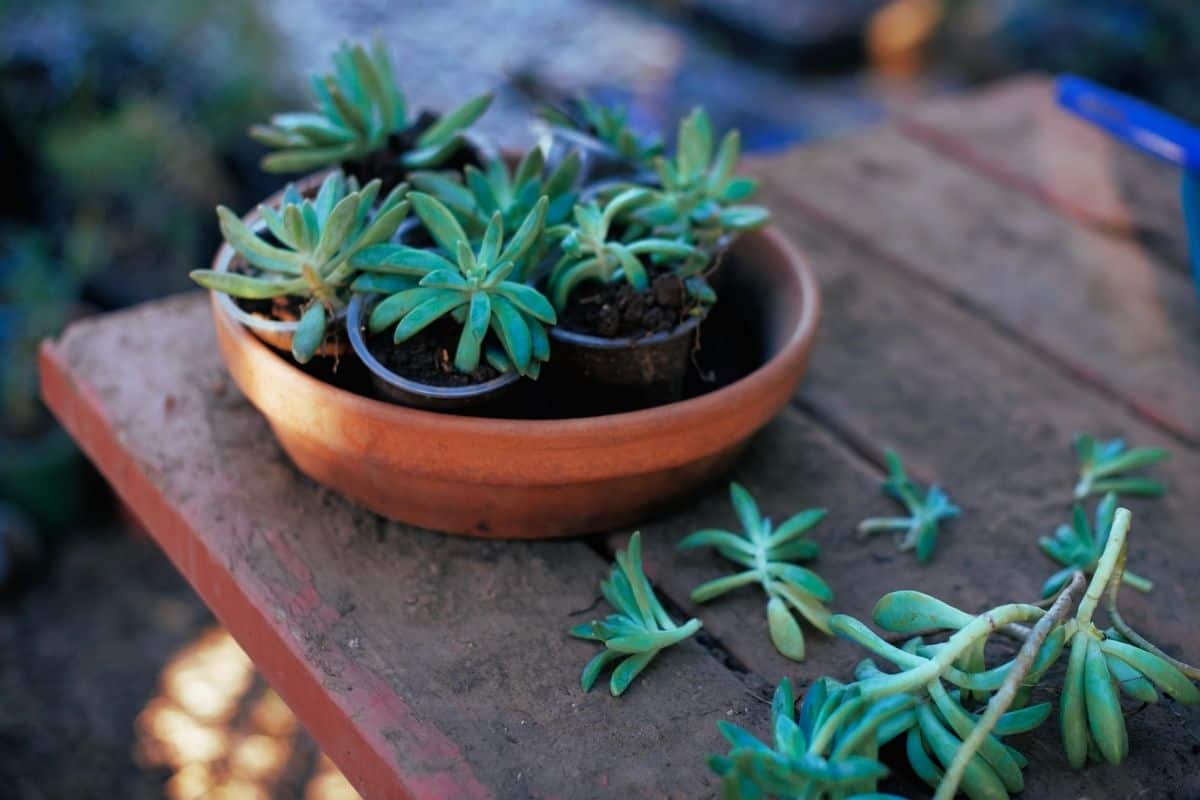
<point>1132,120</point>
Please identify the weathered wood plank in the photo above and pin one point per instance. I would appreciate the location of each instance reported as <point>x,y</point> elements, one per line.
<point>1098,305</point>
<point>968,404</point>
<point>424,665</point>
<point>1014,133</point>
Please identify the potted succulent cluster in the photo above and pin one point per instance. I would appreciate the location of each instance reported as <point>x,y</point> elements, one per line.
<point>505,267</point>
<point>527,298</point>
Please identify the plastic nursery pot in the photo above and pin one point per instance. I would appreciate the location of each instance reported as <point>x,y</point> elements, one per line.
<point>396,388</point>
<point>603,376</point>
<point>509,478</point>
<point>277,333</point>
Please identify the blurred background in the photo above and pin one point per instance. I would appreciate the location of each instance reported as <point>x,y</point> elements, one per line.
<point>122,124</point>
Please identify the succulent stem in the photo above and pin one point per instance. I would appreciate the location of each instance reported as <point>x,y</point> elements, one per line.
<point>1007,693</point>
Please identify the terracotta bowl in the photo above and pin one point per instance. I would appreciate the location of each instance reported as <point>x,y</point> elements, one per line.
<point>506,478</point>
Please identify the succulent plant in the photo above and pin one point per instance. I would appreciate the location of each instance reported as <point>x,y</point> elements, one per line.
<point>920,529</point>
<point>608,125</point>
<point>639,630</point>
<point>767,553</point>
<point>699,195</point>
<point>358,108</point>
<point>474,198</point>
<point>591,251</point>
<point>832,748</point>
<point>1078,547</point>
<point>474,286</point>
<point>1102,466</point>
<point>312,260</point>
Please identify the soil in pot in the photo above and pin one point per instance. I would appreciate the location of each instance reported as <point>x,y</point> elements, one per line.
<point>385,163</point>
<point>428,357</point>
<point>618,311</point>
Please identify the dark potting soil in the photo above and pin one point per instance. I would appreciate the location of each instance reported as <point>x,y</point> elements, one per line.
<point>385,163</point>
<point>617,310</point>
<point>428,357</point>
<point>279,309</point>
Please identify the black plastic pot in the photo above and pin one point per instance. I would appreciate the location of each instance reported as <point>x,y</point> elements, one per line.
<point>598,375</point>
<point>395,388</point>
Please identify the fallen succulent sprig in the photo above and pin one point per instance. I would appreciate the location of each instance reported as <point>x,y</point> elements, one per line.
<point>766,552</point>
<point>1078,547</point>
<point>920,529</point>
<point>639,630</point>
<point>949,745</point>
<point>1103,467</point>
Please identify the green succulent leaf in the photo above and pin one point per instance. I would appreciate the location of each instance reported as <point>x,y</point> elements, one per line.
<point>310,333</point>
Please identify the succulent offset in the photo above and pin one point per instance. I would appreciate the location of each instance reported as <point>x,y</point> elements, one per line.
<point>471,286</point>
<point>358,107</point>
<point>767,553</point>
<point>312,260</point>
<point>919,530</point>
<point>593,251</point>
<point>639,630</point>
<point>1103,467</point>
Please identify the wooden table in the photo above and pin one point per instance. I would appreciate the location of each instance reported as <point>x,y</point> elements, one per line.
<point>997,277</point>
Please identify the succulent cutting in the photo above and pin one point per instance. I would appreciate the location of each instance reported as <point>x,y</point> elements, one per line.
<point>919,530</point>
<point>1104,467</point>
<point>767,553</point>
<point>474,288</point>
<point>359,108</point>
<point>316,239</point>
<point>639,630</point>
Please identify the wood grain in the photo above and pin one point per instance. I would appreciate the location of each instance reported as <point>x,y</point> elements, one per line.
<point>1015,134</point>
<point>1100,307</point>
